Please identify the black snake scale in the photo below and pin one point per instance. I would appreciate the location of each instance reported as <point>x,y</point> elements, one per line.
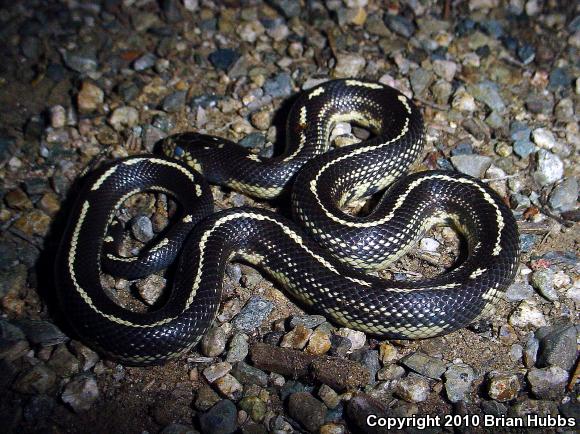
<point>323,269</point>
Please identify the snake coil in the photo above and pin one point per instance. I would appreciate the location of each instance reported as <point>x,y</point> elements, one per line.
<point>324,269</point>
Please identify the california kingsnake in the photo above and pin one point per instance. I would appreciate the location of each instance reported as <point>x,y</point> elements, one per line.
<point>321,269</point>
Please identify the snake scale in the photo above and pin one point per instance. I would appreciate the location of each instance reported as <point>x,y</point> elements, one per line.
<point>322,258</point>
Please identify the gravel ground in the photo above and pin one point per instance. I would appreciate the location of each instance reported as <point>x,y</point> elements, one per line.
<point>498,84</point>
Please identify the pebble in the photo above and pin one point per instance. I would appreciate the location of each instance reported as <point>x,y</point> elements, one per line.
<point>463,101</point>
<point>557,346</point>
<point>39,408</point>
<point>421,79</point>
<point>357,339</point>
<point>516,352</point>
<point>488,93</point>
<point>205,398</point>
<point>540,103</point>
<point>42,332</point>
<point>544,138</point>
<point>150,288</point>
<point>348,65</point>
<point>503,387</point>
<point>278,86</point>
<point>390,372</point>
<point>473,165</point>
<point>549,168</point>
<point>319,343</point>
<point>18,199</point>
<point>253,314</point>
<point>289,8</point>
<point>124,117</point>
<point>523,148</point>
<point>308,321</point>
<point>328,396</point>
<point>370,359</point>
<point>62,362</point>
<point>307,410</point>
<point>87,357</point>
<point>445,69</point>
<point>494,408</point>
<point>213,342</point>
<point>229,386</point>
<point>81,392</point>
<point>547,383</point>
<point>429,245</point>
<point>238,348</point>
<point>564,197</point>
<point>174,101</point>
<point>458,380</point>
<point>564,110</point>
<point>223,58</point>
<point>543,281</point>
<point>145,62</point>
<point>254,406</point>
<point>216,371</point>
<point>442,91</point>
<point>412,389</point>
<point>388,353</point>
<point>247,374</point>
<point>425,365</point>
<point>39,379</point>
<point>527,314</point>
<point>531,350</point>
<point>82,60</point>
<point>297,338</point>
<point>559,77</point>
<point>142,228</point>
<point>220,419</point>
<point>399,25</point>
<point>519,291</point>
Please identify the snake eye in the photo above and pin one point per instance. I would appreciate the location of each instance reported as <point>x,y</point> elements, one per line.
<point>178,152</point>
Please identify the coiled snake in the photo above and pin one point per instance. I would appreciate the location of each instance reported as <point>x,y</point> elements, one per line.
<point>321,263</point>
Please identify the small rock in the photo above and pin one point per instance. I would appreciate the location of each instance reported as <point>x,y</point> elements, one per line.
<point>548,383</point>
<point>429,245</point>
<point>564,197</point>
<point>458,380</point>
<point>86,356</point>
<point>550,168</point>
<point>82,60</point>
<point>145,62</point>
<point>39,408</point>
<point>445,69</point>
<point>564,110</point>
<point>412,389</point>
<point>308,321</point>
<point>229,387</point>
<point>124,117</point>
<point>516,352</point>
<point>421,79</point>
<point>356,338</point>
<point>238,348</point>
<point>473,165</point>
<point>559,77</point>
<point>307,410</point>
<point>142,228</point>
<point>213,342</point>
<point>487,92</point>
<point>224,58</point>
<point>503,387</point>
<point>425,365</point>
<point>463,101</point>
<point>247,374</point>
<point>527,314</point>
<point>519,291</point>
<point>557,346</point>
<point>494,408</point>
<point>400,25</point>
<point>81,392</point>
<point>544,138</point>
<point>39,379</point>
<point>519,131</point>
<point>540,103</point>
<point>370,359</point>
<point>63,362</point>
<point>279,86</point>
<point>253,314</point>
<point>254,406</point>
<point>18,199</point>
<point>151,288</point>
<point>523,148</point>
<point>205,398</point>
<point>178,428</point>
<point>543,281</point>
<point>328,396</point>
<point>348,65</point>
<point>526,53</point>
<point>174,101</point>
<point>390,372</point>
<point>42,332</point>
<point>216,371</point>
<point>296,338</point>
<point>388,353</point>
<point>220,419</point>
<point>531,351</point>
<point>319,343</point>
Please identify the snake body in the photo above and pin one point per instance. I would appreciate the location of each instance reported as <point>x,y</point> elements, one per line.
<point>320,262</point>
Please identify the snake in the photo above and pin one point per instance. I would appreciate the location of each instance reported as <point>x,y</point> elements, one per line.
<point>325,257</point>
